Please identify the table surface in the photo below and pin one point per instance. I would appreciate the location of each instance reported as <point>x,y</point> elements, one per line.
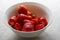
<point>51,33</point>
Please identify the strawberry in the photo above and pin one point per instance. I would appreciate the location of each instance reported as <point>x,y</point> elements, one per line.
<point>28,21</point>
<point>28,27</point>
<point>22,9</point>
<point>12,20</point>
<point>17,26</point>
<point>39,26</point>
<point>29,17</point>
<point>36,20</point>
<point>43,20</point>
<point>21,17</point>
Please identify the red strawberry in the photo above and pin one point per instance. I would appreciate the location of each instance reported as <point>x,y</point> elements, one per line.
<point>28,27</point>
<point>36,20</point>
<point>28,21</point>
<point>29,17</point>
<point>21,17</point>
<point>12,20</point>
<point>22,9</point>
<point>17,26</point>
<point>43,20</point>
<point>39,26</point>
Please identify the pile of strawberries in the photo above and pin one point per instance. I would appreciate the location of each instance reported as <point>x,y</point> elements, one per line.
<point>26,21</point>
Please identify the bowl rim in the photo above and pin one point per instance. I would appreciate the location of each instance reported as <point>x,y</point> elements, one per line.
<point>50,22</point>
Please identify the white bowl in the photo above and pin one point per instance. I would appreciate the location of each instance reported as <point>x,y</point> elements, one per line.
<point>34,8</point>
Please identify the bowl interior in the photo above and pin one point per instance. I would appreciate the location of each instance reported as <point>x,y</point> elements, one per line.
<point>36,9</point>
